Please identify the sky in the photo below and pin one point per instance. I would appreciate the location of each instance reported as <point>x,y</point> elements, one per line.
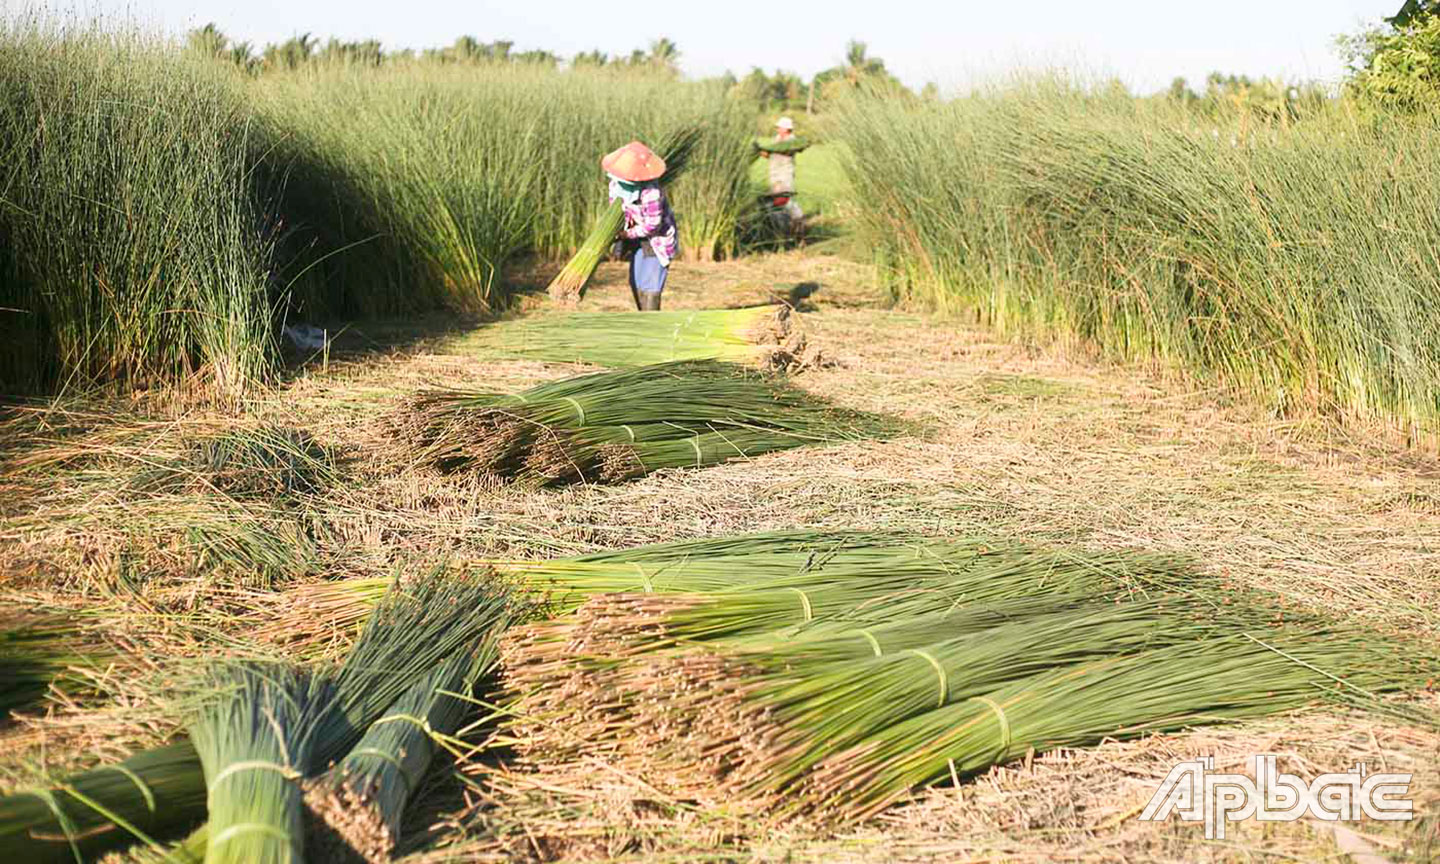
<point>1145,43</point>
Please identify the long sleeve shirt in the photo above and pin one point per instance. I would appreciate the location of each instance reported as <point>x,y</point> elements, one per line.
<point>650,218</point>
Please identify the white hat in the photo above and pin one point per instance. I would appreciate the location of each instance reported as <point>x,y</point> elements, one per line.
<point>785,123</point>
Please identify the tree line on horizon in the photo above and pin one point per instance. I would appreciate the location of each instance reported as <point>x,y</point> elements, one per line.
<point>778,90</point>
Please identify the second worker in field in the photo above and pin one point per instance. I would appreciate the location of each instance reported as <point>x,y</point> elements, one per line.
<point>649,236</point>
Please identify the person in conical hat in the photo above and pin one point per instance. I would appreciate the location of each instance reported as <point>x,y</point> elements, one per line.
<point>648,236</point>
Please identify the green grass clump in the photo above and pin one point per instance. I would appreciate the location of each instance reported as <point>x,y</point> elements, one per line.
<point>134,248</point>
<point>1285,258</point>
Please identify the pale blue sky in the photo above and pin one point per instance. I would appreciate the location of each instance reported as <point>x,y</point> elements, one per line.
<point>1145,42</point>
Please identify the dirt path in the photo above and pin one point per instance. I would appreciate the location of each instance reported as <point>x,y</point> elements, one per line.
<point>1018,442</point>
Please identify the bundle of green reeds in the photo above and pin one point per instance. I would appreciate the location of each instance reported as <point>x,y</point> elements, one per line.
<point>35,651</point>
<point>818,720</point>
<point>615,425</point>
<point>362,800</point>
<point>753,718</point>
<point>327,613</point>
<point>569,284</point>
<point>1219,679</point>
<point>255,731</point>
<point>155,793</point>
<point>781,145</point>
<point>758,334</point>
<point>422,623</point>
<point>864,590</point>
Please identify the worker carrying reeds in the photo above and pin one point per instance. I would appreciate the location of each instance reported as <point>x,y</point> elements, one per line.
<point>648,235</point>
<point>781,151</point>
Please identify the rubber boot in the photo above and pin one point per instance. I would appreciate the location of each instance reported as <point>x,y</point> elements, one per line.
<point>650,301</point>
<point>634,290</point>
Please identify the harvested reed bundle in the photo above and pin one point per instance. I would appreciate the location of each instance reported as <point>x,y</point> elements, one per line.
<point>418,625</point>
<point>154,793</point>
<point>1167,689</point>
<point>569,284</point>
<point>759,718</point>
<point>255,732</point>
<point>34,652</point>
<point>640,338</point>
<point>781,145</point>
<point>311,616</point>
<point>623,422</point>
<point>815,544</point>
<point>586,676</point>
<point>363,799</point>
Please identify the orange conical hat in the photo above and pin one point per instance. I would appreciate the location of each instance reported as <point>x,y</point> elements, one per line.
<point>634,162</point>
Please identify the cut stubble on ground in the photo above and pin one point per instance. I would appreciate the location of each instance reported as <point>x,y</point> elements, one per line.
<point>1040,444</point>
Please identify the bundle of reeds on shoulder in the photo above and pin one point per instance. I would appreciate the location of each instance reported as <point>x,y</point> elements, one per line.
<point>568,286</point>
<point>760,335</point>
<point>616,425</point>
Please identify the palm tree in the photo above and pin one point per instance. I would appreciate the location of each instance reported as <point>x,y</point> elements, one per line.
<point>665,55</point>
<point>859,66</point>
<point>207,41</point>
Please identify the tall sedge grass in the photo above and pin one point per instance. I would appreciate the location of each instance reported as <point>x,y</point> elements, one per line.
<point>1287,259</point>
<point>412,186</point>
<point>134,249</point>
<point>160,216</point>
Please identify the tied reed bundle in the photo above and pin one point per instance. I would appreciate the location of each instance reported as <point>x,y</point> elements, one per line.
<point>1215,680</point>
<point>827,723</point>
<point>757,718</point>
<point>155,793</point>
<point>362,800</point>
<point>781,145</point>
<point>596,678</point>
<point>764,335</point>
<point>420,624</point>
<point>310,617</point>
<point>620,424</point>
<point>569,284</point>
<point>255,732</point>
<point>35,652</point>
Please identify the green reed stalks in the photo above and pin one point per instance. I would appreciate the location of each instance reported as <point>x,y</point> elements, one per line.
<point>617,424</point>
<point>643,338</point>
<point>156,793</point>
<point>1167,689</point>
<point>255,732</point>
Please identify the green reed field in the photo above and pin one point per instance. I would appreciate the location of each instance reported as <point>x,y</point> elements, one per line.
<point>1290,258</point>
<point>161,215</point>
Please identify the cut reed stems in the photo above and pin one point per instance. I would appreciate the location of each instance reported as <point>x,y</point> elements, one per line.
<point>753,335</point>
<point>620,424</point>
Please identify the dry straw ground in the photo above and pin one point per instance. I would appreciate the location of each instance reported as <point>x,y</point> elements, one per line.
<point>1035,443</point>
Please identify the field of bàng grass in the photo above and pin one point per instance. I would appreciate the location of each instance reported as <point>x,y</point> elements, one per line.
<point>786,572</point>
<point>139,523</point>
<point>163,216</point>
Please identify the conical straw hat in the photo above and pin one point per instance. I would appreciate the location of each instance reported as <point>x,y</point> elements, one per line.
<point>634,162</point>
